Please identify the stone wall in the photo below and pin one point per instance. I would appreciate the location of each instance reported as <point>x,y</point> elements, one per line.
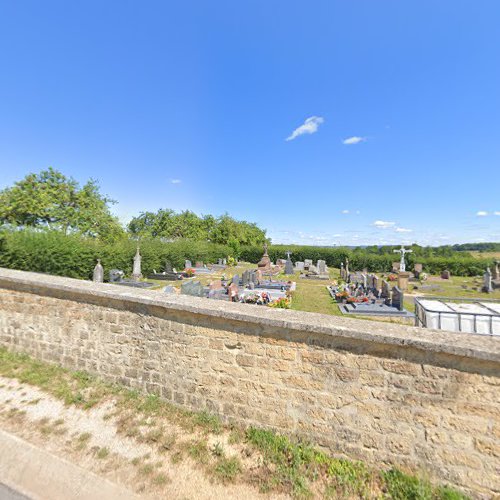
<point>375,391</point>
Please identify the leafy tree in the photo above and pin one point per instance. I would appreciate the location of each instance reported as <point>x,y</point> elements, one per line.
<point>51,200</point>
<point>170,225</point>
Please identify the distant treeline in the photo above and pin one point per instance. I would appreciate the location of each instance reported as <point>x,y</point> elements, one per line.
<point>75,256</point>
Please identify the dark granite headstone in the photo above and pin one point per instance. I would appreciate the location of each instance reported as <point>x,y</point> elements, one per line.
<point>397,298</point>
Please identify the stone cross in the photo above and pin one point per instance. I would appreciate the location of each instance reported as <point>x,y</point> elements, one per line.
<point>98,272</point>
<point>347,267</point>
<point>136,272</point>
<point>403,251</point>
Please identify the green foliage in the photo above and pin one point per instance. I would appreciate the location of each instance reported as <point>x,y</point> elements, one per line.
<point>377,259</point>
<point>50,200</point>
<point>74,256</point>
<point>170,225</point>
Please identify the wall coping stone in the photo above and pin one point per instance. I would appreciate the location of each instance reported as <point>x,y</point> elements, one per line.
<point>480,347</point>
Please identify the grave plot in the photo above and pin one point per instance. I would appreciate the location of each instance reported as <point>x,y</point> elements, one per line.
<point>366,299</point>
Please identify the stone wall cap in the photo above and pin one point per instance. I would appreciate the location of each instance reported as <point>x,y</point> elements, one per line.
<point>482,347</point>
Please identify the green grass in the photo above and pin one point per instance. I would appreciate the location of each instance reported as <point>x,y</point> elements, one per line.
<point>227,469</point>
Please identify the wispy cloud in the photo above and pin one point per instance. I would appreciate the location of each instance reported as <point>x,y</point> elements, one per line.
<point>384,224</point>
<point>310,126</point>
<point>403,230</point>
<point>481,213</point>
<point>353,140</point>
<point>344,212</point>
<point>175,181</point>
<point>497,213</point>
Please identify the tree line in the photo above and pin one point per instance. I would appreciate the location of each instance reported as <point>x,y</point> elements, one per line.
<point>49,200</point>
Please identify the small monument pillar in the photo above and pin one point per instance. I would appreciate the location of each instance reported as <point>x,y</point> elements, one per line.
<point>98,272</point>
<point>264,263</point>
<point>487,286</point>
<point>289,263</point>
<point>136,272</point>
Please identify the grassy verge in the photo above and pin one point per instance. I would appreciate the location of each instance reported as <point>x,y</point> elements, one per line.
<point>279,463</point>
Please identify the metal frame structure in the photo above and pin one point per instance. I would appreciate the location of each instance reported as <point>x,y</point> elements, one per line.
<point>421,319</point>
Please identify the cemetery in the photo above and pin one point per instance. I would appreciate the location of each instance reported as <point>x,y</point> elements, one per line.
<point>393,296</point>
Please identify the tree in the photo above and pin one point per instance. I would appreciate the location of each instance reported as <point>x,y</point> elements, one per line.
<point>53,201</point>
<point>187,225</point>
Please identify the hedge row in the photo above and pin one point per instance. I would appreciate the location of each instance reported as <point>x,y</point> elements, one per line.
<point>74,256</point>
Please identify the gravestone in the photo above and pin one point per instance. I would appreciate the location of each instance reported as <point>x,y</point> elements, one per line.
<point>308,264</point>
<point>288,263</point>
<point>169,289</point>
<point>417,269</point>
<point>496,271</point>
<point>199,263</point>
<point>445,275</point>
<point>403,278</point>
<point>265,262</point>
<point>245,278</point>
<point>224,262</point>
<point>396,267</point>
<point>116,275</point>
<point>136,272</point>
<point>233,292</point>
<point>386,290</point>
<point>487,285</point>
<point>375,282</point>
<point>193,288</point>
<point>321,265</point>
<point>188,264</point>
<point>397,298</point>
<point>364,280</point>
<point>236,280</point>
<point>346,268</point>
<point>98,272</point>
<point>299,266</point>
<point>168,267</point>
<point>342,271</point>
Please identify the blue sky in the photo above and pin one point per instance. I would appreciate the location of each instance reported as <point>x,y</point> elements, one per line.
<point>189,105</point>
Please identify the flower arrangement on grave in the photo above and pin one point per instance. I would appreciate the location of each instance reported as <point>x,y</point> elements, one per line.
<point>282,303</point>
<point>392,277</point>
<point>342,295</point>
<point>423,277</point>
<point>351,300</point>
<point>189,273</point>
<point>252,298</point>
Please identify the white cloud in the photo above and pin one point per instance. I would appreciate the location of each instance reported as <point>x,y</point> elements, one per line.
<point>310,126</point>
<point>383,224</point>
<point>345,211</point>
<point>403,230</point>
<point>353,140</point>
<point>482,213</point>
<point>175,181</point>
<point>497,213</point>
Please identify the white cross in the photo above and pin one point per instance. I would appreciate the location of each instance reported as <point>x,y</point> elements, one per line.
<point>402,251</point>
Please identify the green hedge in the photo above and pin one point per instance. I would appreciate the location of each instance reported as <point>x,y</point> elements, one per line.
<point>457,264</point>
<point>74,256</point>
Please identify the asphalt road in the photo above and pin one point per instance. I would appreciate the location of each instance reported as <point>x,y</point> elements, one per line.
<point>7,494</point>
